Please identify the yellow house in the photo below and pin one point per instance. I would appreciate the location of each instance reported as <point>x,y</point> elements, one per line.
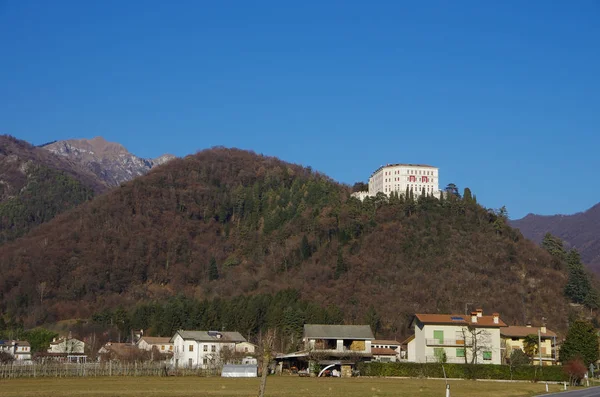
<point>513,337</point>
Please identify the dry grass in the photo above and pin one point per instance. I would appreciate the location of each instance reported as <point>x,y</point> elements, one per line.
<point>276,386</point>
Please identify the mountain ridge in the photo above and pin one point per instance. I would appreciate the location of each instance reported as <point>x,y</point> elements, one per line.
<point>110,161</point>
<point>36,185</point>
<point>580,230</point>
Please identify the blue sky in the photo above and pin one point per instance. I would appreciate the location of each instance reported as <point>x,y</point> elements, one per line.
<point>503,96</point>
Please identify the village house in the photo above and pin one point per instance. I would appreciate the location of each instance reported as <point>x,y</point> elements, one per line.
<point>331,347</point>
<point>245,348</point>
<point>513,338</point>
<point>338,340</point>
<point>19,349</point>
<point>118,352</point>
<point>456,338</point>
<point>65,349</point>
<point>155,343</point>
<point>204,349</point>
<point>386,350</point>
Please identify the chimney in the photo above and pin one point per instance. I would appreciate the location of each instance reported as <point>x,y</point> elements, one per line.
<point>543,329</point>
<point>496,318</point>
<point>528,325</point>
<point>474,317</point>
<point>479,312</point>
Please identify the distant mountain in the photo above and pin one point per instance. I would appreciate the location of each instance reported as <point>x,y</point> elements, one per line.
<point>226,223</point>
<point>36,185</point>
<point>110,161</point>
<point>581,231</point>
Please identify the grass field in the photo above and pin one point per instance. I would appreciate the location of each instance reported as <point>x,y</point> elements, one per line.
<point>276,386</point>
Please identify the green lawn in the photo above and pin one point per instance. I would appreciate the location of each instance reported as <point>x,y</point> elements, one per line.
<point>276,386</point>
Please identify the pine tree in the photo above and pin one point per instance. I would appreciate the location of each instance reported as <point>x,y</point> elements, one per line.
<point>581,341</point>
<point>578,284</point>
<point>213,271</point>
<point>373,319</point>
<point>554,246</point>
<point>305,249</point>
<point>340,267</point>
<point>467,196</point>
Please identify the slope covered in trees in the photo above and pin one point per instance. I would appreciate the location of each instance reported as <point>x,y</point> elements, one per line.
<point>225,223</point>
<point>580,231</point>
<point>36,185</point>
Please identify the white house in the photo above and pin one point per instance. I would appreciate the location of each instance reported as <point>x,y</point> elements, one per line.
<point>67,345</point>
<point>203,349</point>
<point>245,347</point>
<point>162,345</point>
<point>19,349</point>
<point>454,337</point>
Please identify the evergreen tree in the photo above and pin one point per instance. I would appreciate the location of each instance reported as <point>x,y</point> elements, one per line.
<point>554,246</point>
<point>581,341</point>
<point>340,267</point>
<point>305,249</point>
<point>530,345</point>
<point>578,284</point>
<point>373,319</point>
<point>467,196</point>
<point>213,270</point>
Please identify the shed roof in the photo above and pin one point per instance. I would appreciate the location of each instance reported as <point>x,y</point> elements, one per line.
<point>211,336</point>
<point>383,351</point>
<point>322,331</point>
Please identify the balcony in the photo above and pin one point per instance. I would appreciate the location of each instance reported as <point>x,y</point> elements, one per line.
<point>449,360</point>
<point>447,342</point>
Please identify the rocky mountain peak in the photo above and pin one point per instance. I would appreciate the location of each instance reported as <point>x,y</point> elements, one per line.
<point>110,161</point>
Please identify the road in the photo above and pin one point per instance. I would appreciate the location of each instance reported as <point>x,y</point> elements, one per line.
<point>587,392</point>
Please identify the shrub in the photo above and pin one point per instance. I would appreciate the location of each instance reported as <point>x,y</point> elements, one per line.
<point>575,369</point>
<point>464,371</point>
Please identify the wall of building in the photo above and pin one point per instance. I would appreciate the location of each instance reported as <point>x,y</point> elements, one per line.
<point>203,354</point>
<point>546,348</point>
<point>454,340</point>
<point>396,178</point>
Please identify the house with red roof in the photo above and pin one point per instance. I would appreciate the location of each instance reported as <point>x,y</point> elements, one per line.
<point>456,338</point>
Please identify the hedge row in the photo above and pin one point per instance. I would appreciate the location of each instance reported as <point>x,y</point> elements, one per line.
<point>465,371</point>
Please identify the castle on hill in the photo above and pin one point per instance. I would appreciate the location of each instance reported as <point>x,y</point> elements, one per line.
<point>421,179</point>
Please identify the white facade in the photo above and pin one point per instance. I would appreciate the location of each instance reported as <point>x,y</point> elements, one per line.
<point>67,345</point>
<point>163,345</point>
<point>20,350</point>
<point>399,177</point>
<point>203,349</point>
<point>437,337</point>
<point>245,347</point>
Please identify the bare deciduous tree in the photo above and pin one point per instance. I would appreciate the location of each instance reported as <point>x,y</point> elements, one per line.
<point>266,349</point>
<point>477,340</point>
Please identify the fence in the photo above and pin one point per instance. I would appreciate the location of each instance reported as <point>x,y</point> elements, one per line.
<point>111,368</point>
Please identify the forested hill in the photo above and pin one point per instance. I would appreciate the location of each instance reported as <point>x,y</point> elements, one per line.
<point>36,185</point>
<point>226,222</point>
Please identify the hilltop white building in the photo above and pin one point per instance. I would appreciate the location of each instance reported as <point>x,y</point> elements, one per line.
<point>399,177</point>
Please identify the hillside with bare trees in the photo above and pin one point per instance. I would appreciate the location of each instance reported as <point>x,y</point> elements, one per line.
<point>226,223</point>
